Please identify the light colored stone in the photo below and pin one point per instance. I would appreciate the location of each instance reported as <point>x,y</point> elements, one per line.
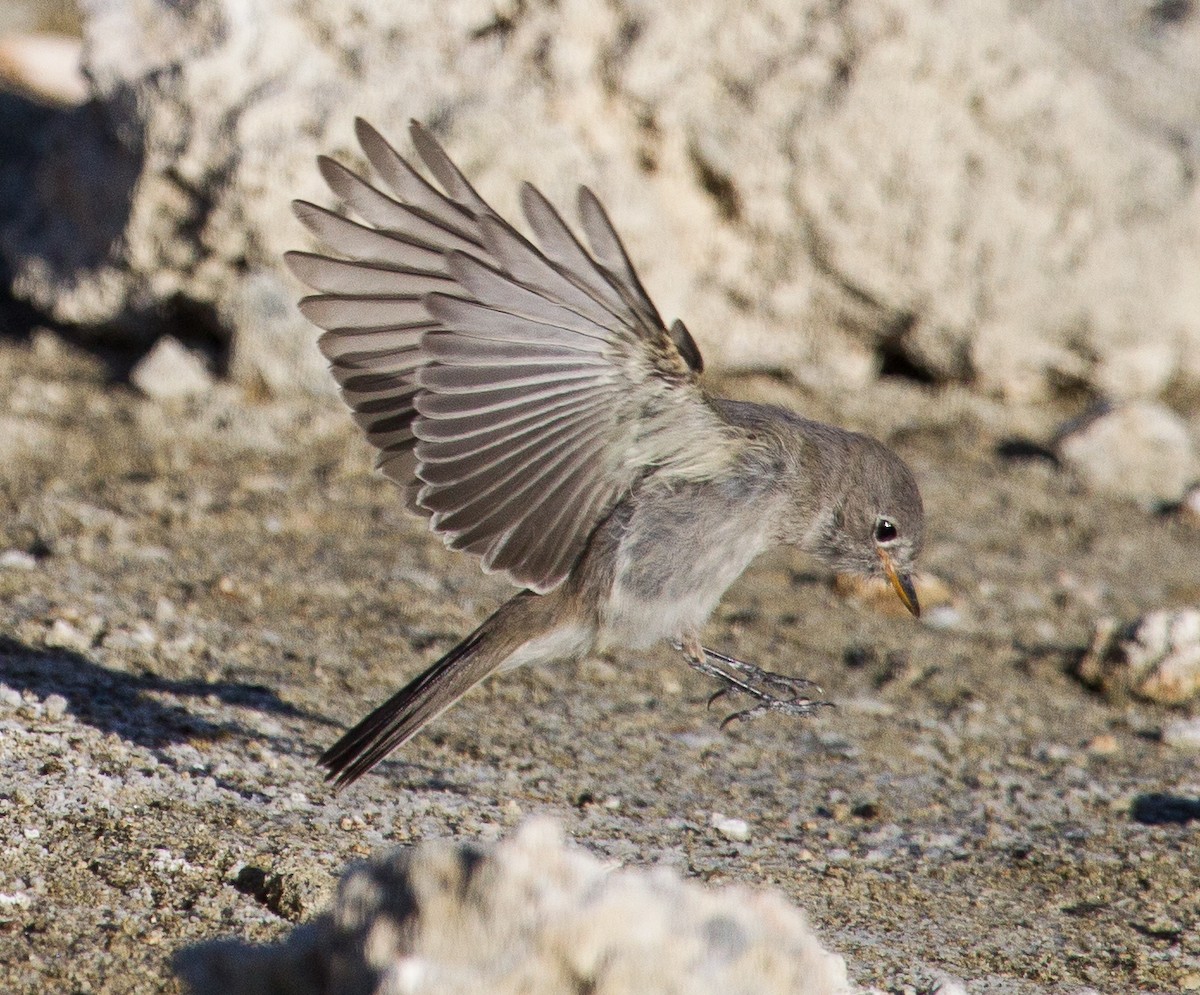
<point>54,707</point>
<point>736,830</point>
<point>17,559</point>
<point>1000,193</point>
<point>1136,371</point>
<point>1156,658</point>
<point>942,617</point>
<point>528,915</point>
<point>1103,745</point>
<point>170,372</point>
<point>64,635</point>
<point>45,66</point>
<point>1189,506</point>
<point>1140,450</point>
<point>1182,734</point>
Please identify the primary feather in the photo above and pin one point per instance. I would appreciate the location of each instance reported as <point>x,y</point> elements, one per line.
<point>515,390</point>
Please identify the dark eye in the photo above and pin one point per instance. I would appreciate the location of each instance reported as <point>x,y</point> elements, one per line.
<point>885,531</point>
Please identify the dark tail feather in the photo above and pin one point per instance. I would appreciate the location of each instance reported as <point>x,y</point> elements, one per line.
<point>399,718</point>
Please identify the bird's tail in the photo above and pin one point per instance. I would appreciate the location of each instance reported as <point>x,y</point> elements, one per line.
<point>516,624</point>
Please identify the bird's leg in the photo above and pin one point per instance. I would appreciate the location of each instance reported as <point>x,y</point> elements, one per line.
<point>773,692</point>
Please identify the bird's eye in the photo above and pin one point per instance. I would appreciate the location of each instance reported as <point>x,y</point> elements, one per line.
<point>885,531</point>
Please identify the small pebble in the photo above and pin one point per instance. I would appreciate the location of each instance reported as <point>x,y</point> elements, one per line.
<point>54,708</point>
<point>1182,734</point>
<point>64,635</point>
<point>942,617</point>
<point>1190,982</point>
<point>737,830</point>
<point>1103,745</point>
<point>170,372</point>
<point>1189,507</point>
<point>17,559</point>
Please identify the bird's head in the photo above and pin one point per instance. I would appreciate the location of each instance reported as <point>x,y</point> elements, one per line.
<point>875,524</point>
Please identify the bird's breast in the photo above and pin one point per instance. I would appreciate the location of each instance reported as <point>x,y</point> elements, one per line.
<point>677,555</point>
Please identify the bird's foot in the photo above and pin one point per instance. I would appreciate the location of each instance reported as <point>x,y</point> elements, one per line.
<point>773,692</point>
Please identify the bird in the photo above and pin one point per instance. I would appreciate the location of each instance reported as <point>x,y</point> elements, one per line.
<point>537,411</point>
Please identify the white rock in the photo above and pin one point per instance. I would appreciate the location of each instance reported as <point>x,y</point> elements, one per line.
<point>1156,657</point>
<point>737,830</point>
<point>1137,371</point>
<point>1182,734</point>
<point>998,191</point>
<point>64,635</point>
<point>942,617</point>
<point>1189,506</point>
<point>46,66</point>
<point>54,707</point>
<point>524,916</point>
<point>171,372</point>
<point>1139,450</point>
<point>17,559</point>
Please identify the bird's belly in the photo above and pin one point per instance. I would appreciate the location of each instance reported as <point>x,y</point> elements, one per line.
<point>665,587</point>
<point>564,642</point>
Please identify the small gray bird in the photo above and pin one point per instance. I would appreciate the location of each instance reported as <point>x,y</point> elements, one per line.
<point>537,411</point>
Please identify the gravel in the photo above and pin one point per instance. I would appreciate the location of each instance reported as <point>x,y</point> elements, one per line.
<point>206,592</point>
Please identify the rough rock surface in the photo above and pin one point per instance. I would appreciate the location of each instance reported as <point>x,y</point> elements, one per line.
<point>529,915</point>
<point>1141,451</point>
<point>1000,193</point>
<point>1156,658</point>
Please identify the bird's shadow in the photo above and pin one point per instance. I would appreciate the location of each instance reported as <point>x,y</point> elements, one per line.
<point>126,704</point>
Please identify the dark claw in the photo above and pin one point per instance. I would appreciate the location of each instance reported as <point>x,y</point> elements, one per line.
<point>718,695</point>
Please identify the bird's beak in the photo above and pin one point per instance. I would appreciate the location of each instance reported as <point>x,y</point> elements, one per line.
<point>901,583</point>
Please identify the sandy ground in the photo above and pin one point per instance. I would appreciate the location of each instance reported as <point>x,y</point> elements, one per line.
<point>198,598</point>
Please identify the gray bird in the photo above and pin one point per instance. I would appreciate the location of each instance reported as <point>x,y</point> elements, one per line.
<point>537,411</point>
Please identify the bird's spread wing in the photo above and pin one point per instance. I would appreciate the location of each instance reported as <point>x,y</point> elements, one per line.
<point>514,390</point>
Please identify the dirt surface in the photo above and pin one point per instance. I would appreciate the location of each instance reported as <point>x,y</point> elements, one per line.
<point>199,597</point>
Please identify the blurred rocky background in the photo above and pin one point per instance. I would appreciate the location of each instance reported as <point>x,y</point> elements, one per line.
<point>1000,195</point>
<point>970,228</point>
